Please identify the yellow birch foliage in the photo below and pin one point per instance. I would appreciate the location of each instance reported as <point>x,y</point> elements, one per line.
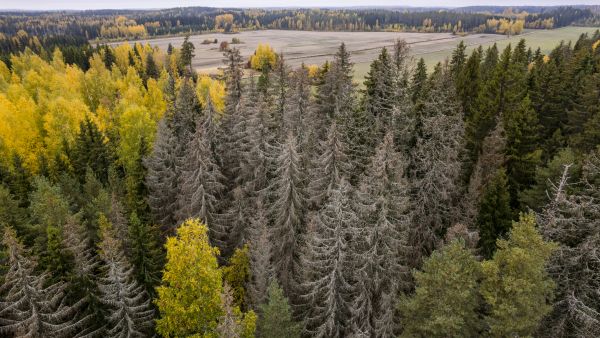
<point>263,55</point>
<point>215,88</point>
<point>189,299</point>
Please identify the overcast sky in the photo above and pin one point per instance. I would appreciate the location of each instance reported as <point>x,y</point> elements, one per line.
<point>87,4</point>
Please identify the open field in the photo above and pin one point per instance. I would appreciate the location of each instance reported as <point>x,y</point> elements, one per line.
<point>316,47</point>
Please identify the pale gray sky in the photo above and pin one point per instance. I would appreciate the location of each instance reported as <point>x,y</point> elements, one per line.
<point>102,4</point>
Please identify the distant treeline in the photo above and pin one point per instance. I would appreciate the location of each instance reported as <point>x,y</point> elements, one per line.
<point>112,24</point>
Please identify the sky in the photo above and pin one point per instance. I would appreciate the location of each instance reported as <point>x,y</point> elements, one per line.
<point>104,4</point>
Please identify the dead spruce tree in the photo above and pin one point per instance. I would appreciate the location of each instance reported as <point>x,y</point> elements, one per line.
<point>29,307</point>
<point>201,180</point>
<point>260,256</point>
<point>162,178</point>
<point>287,209</point>
<point>327,267</point>
<point>296,115</point>
<point>573,222</point>
<point>328,169</point>
<point>435,166</point>
<point>385,224</point>
<point>84,275</point>
<point>130,312</point>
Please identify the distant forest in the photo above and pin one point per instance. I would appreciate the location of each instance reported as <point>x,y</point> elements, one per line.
<point>111,24</point>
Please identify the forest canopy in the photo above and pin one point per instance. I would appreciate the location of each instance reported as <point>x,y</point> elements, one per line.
<point>460,200</point>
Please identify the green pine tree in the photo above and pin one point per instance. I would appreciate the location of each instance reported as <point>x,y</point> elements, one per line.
<point>446,299</point>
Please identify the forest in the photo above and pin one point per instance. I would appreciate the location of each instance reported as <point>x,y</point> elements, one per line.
<point>131,24</point>
<point>139,198</point>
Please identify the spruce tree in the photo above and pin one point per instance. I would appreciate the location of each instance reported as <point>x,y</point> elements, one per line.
<point>328,267</point>
<point>145,255</point>
<point>419,79</point>
<point>329,168</point>
<point>495,215</point>
<point>385,222</point>
<point>468,83</point>
<point>201,181</point>
<point>162,178</point>
<point>130,313</point>
<point>31,306</point>
<point>522,152</point>
<point>458,60</point>
<point>275,318</point>
<point>90,150</point>
<point>381,89</point>
<point>186,56</point>
<point>234,70</point>
<point>151,71</point>
<point>571,221</point>
<point>281,88</point>
<point>84,276</point>
<point>435,166</point>
<point>260,257</point>
<point>287,209</point>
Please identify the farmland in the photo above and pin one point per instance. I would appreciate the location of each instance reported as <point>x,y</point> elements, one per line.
<point>316,47</point>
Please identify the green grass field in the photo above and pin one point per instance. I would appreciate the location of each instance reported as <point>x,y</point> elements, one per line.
<point>546,40</point>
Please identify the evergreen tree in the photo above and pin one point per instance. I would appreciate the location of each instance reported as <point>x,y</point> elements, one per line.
<point>335,95</point>
<point>275,318</point>
<point>234,70</point>
<point>327,267</point>
<point>136,188</point>
<point>458,60</point>
<point>437,309</point>
<point>571,221</point>
<point>515,283</point>
<point>49,211</point>
<point>281,88</point>
<point>130,313</point>
<point>287,209</point>
<point>522,153</point>
<point>584,118</point>
<point>495,215</point>
<point>10,213</point>
<point>468,83</point>
<point>329,168</point>
<point>30,306</point>
<point>162,177</point>
<point>435,168</point>
<point>383,210</point>
<point>540,193</point>
<point>90,151</point>
<point>260,257</point>
<point>381,89</point>
<point>419,79</point>
<point>151,71</point>
<point>186,56</point>
<point>145,253</point>
<point>84,276</point>
<point>200,181</point>
<point>491,160</point>
<point>299,103</point>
